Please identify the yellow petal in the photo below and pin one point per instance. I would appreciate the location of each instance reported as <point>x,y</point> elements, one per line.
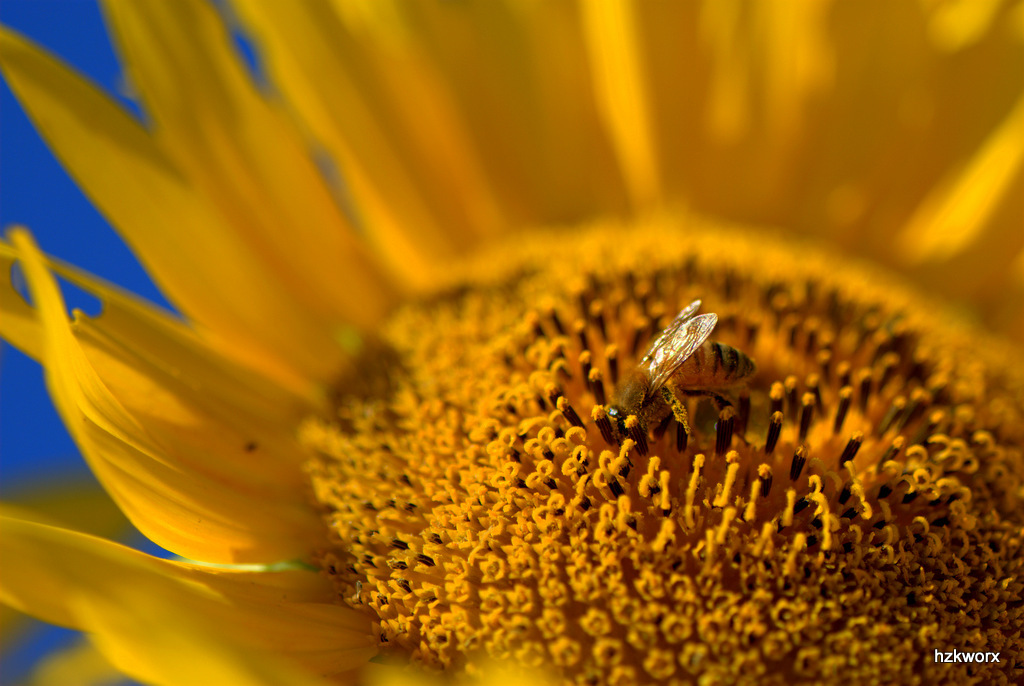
<point>959,209</point>
<point>195,474</point>
<point>304,44</point>
<point>13,625</point>
<point>18,323</point>
<point>80,503</point>
<point>524,100</point>
<point>956,24</point>
<point>426,129</point>
<point>80,663</point>
<point>173,623</point>
<point>245,156</point>
<point>386,88</point>
<point>219,277</point>
<point>490,673</point>
<point>623,92</point>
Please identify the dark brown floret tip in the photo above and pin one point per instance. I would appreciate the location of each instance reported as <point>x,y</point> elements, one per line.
<point>496,501</point>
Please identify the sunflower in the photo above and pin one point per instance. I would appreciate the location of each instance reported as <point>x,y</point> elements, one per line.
<point>421,255</point>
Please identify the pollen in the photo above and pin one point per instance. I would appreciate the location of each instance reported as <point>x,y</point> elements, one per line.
<point>850,509</point>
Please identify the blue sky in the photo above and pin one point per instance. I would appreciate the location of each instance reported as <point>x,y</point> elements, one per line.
<point>37,193</point>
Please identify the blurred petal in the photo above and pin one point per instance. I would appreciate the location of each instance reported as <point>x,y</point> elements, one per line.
<point>217,275</point>
<point>80,503</point>
<point>439,151</point>
<point>622,91</point>
<point>13,625</point>
<point>526,100</point>
<point>80,663</point>
<point>245,156</point>
<point>490,673</point>
<point>306,46</point>
<point>19,324</point>
<point>186,467</point>
<point>956,24</point>
<point>406,89</point>
<point>955,214</point>
<point>172,623</point>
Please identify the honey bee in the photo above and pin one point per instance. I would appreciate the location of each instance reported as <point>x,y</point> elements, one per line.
<point>681,361</point>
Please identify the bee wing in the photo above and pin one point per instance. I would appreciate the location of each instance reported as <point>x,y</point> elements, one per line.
<point>676,346</point>
<point>687,312</point>
<point>671,329</point>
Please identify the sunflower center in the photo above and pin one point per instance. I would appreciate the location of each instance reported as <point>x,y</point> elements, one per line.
<point>501,499</point>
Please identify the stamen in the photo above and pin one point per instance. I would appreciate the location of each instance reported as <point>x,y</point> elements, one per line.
<point>681,437</point>
<point>852,446</point>
<point>776,395</point>
<point>843,373</point>
<point>892,451</point>
<point>597,316</point>
<point>659,431</point>
<point>732,468</point>
<point>811,327</point>
<point>791,324</point>
<point>806,413</point>
<point>930,427</point>
<point>792,405</point>
<point>864,384</point>
<point>724,429</point>
<point>743,419</point>
<point>533,319</point>
<point>883,343</point>
<point>824,360</point>
<point>889,362</point>
<point>637,433</point>
<point>774,431</point>
<point>561,370</point>
<point>612,356</point>
<point>553,392</point>
<point>813,384</point>
<point>569,413</point>
<point>580,327</point>
<point>797,465</point>
<point>641,333</point>
<point>552,314</point>
<point>583,296</point>
<point>764,475</point>
<point>845,494</point>
<point>919,401</point>
<point>585,360</point>
<point>596,379</point>
<point>615,487</point>
<point>604,424</point>
<point>897,407</point>
<point>845,395</point>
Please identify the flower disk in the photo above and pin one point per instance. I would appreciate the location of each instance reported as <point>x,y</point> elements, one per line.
<point>856,507</point>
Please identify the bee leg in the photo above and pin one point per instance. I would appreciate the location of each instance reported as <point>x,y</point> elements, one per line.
<point>678,409</point>
<point>721,402</point>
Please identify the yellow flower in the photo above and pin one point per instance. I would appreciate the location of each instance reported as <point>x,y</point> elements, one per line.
<point>412,383</point>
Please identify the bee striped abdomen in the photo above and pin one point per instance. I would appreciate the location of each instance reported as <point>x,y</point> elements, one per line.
<point>716,365</point>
